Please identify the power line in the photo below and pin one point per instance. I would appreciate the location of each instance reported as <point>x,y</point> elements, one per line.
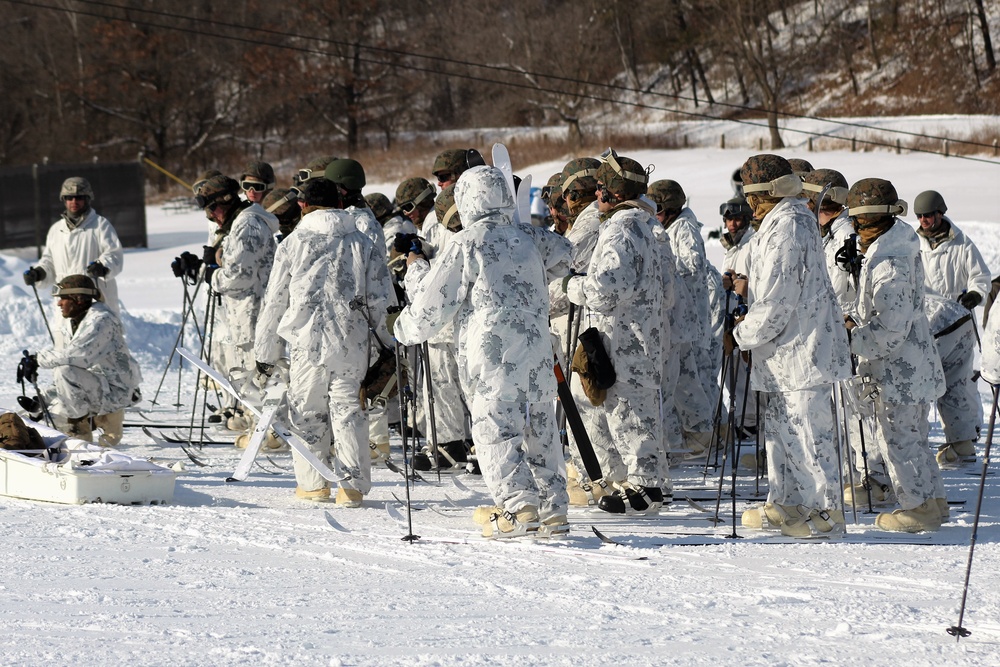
<point>482,79</point>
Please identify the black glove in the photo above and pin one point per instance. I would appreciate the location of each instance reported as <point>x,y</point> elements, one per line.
<point>970,299</point>
<point>177,266</point>
<point>98,270</point>
<point>405,243</point>
<point>209,270</point>
<point>262,375</point>
<point>27,369</point>
<point>208,255</point>
<point>33,275</point>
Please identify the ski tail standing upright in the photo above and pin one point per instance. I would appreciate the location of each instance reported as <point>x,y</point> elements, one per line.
<point>891,337</point>
<point>328,280</point>
<point>490,281</point>
<point>794,329</point>
<point>93,372</point>
<point>622,302</point>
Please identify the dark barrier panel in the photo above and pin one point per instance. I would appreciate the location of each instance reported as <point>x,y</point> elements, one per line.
<point>29,200</point>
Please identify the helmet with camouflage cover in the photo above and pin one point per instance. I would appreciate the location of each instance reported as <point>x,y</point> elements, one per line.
<point>217,190</point>
<point>623,177</point>
<point>872,200</point>
<point>380,205</point>
<point>668,195</point>
<point>77,285</point>
<point>314,168</point>
<point>416,191</point>
<point>580,174</point>
<point>453,161</point>
<point>815,181</point>
<point>769,176</point>
<point>347,173</point>
<point>76,186</point>
<point>736,208</point>
<point>553,188</point>
<point>258,171</point>
<point>447,210</point>
<point>202,177</point>
<point>929,201</point>
<point>800,167</point>
<point>279,203</point>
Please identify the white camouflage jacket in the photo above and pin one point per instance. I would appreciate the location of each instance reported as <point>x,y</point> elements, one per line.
<point>326,275</point>
<point>489,280</point>
<point>247,256</point>
<point>794,326</point>
<point>99,347</point>
<point>689,248</point>
<point>622,294</point>
<point>893,339</point>
<point>954,266</point>
<point>990,361</point>
<point>842,281</point>
<point>738,256</point>
<point>69,251</point>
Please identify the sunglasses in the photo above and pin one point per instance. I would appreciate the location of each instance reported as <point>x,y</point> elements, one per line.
<point>573,195</point>
<point>926,215</point>
<point>256,186</point>
<point>74,197</point>
<point>443,176</point>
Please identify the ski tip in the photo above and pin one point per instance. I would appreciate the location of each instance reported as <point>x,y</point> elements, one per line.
<point>230,480</point>
<point>334,523</point>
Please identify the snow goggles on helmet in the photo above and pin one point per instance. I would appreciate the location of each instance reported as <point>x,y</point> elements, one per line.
<point>256,186</point>
<point>408,206</point>
<point>304,175</point>
<point>731,210</point>
<point>610,157</point>
<point>835,194</point>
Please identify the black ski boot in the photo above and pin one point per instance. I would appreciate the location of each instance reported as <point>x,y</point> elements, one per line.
<point>32,406</point>
<point>641,499</point>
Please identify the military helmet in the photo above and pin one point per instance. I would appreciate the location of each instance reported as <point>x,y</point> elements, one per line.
<point>668,195</point>
<point>622,176</point>
<point>815,181</point>
<point>346,172</point>
<point>415,191</point>
<point>929,201</point>
<point>204,176</point>
<point>76,185</point>
<point>260,171</point>
<point>770,175</point>
<point>280,201</point>
<point>552,187</point>
<point>453,161</point>
<point>737,207</point>
<point>447,210</point>
<point>580,174</point>
<point>380,205</point>
<point>800,167</point>
<point>315,168</point>
<point>76,285</point>
<point>217,190</point>
<point>874,199</point>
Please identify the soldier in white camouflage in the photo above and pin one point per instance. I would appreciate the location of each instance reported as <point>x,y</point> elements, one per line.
<point>93,373</point>
<point>257,181</point>
<point>835,227</point>
<point>329,281</point>
<point>622,300</point>
<point>891,337</point>
<point>794,331</point>
<point>490,282</point>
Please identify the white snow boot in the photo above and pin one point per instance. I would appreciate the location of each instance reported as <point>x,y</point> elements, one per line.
<point>318,495</point>
<point>956,454</point>
<point>504,525</point>
<point>769,516</point>
<point>815,523</point>
<point>925,517</point>
<point>349,497</point>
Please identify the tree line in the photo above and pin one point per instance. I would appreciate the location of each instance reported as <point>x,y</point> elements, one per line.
<point>202,84</point>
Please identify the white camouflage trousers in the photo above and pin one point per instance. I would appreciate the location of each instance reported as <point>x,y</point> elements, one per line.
<point>694,407</point>
<point>673,435</point>
<point>75,392</point>
<point>801,448</point>
<point>738,390</point>
<point>626,433</point>
<point>959,408</point>
<point>449,401</point>
<point>901,438</point>
<point>321,404</point>
<point>519,455</point>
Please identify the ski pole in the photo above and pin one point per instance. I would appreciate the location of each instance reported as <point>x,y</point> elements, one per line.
<point>44,317</point>
<point>404,389</point>
<point>957,630</point>
<point>33,379</point>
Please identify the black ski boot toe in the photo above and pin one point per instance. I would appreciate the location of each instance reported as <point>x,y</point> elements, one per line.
<point>421,461</point>
<point>645,498</point>
<point>31,405</point>
<point>615,503</point>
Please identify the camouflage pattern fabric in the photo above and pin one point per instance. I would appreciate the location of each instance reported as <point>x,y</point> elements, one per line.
<point>764,168</point>
<point>842,281</point>
<point>902,441</point>
<point>94,373</point>
<point>954,265</point>
<point>959,408</point>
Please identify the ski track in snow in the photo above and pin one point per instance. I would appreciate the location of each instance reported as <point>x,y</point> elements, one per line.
<point>237,574</point>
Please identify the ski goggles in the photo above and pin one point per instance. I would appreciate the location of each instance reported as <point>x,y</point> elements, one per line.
<point>408,206</point>
<point>256,186</point>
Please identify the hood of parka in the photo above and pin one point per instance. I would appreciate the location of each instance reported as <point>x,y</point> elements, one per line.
<point>482,192</point>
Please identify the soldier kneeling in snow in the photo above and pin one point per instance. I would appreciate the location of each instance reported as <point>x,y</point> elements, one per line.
<point>93,373</point>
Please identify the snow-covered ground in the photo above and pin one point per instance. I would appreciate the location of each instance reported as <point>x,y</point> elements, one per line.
<point>245,574</point>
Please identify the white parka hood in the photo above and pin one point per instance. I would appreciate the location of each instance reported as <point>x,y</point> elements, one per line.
<point>482,192</point>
